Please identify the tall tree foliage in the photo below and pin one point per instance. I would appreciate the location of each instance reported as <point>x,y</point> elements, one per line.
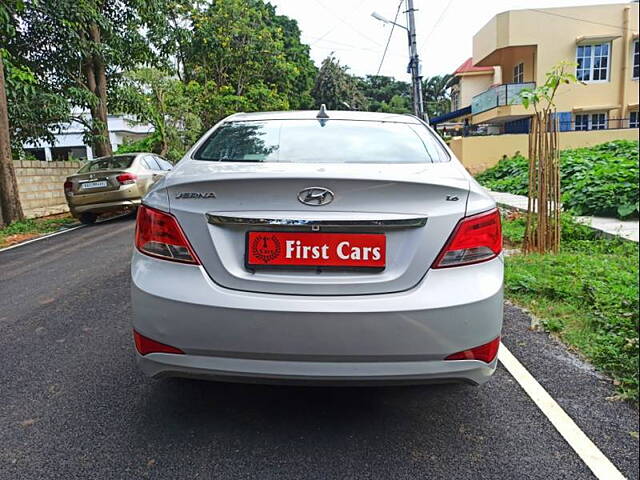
<point>165,102</point>
<point>386,94</point>
<point>336,88</point>
<point>241,45</point>
<point>436,96</point>
<point>80,48</point>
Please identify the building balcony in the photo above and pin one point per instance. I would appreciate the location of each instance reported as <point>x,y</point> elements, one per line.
<point>500,104</point>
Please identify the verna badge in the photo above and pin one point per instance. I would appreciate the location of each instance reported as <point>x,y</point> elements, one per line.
<point>315,196</point>
<point>195,195</point>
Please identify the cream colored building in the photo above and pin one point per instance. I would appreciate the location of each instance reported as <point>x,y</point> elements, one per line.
<point>521,46</point>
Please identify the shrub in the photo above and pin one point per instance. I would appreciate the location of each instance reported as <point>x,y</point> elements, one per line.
<point>600,180</point>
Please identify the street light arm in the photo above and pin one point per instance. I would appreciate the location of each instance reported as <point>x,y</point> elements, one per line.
<point>379,17</point>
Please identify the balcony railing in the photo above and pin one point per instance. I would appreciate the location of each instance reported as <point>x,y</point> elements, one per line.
<point>499,96</point>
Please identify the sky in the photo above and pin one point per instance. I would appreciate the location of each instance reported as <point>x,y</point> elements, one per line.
<point>445,30</point>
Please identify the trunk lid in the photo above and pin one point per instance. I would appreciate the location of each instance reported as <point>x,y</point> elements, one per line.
<point>95,182</point>
<point>393,200</point>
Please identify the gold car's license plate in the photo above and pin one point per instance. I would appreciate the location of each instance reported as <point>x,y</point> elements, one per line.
<point>100,184</point>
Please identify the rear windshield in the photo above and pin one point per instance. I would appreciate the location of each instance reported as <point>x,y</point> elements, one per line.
<point>331,141</point>
<point>108,163</point>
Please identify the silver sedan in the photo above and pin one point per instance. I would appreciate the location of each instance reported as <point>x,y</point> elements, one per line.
<point>318,247</point>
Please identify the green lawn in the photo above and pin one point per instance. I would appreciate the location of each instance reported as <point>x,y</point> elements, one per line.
<point>19,231</point>
<point>587,294</point>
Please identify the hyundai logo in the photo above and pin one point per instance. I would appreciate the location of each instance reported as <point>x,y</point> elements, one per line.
<point>315,196</point>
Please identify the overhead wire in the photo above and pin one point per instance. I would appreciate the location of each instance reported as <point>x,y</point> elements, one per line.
<point>342,20</point>
<point>386,47</point>
<point>546,12</point>
<point>435,25</point>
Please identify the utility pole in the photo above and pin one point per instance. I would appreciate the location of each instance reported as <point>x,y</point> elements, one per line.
<point>414,65</point>
<point>414,60</point>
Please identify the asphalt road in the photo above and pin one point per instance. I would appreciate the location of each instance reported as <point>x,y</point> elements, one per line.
<point>73,405</point>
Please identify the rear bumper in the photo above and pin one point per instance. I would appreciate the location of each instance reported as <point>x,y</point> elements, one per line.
<point>104,207</point>
<point>127,196</point>
<point>158,365</point>
<point>401,337</point>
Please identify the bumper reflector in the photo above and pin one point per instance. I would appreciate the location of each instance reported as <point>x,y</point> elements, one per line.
<point>145,345</point>
<point>485,353</point>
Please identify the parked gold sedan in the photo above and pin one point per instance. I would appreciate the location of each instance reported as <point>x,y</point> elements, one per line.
<point>113,183</point>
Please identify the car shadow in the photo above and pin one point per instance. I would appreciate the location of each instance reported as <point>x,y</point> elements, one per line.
<point>193,403</point>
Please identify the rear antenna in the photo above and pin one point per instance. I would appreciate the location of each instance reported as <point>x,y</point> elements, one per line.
<point>323,112</point>
<point>322,115</point>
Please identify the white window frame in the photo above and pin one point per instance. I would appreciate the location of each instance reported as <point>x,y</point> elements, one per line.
<point>589,116</point>
<point>634,123</point>
<point>635,57</point>
<point>518,73</point>
<point>455,100</point>
<point>592,61</point>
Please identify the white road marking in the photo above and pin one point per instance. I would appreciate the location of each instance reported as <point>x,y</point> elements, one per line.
<point>41,238</point>
<point>590,454</point>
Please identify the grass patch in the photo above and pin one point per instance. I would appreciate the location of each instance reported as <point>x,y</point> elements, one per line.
<point>25,229</point>
<point>587,294</point>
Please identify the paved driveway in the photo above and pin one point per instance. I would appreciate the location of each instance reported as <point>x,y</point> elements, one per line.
<point>73,405</point>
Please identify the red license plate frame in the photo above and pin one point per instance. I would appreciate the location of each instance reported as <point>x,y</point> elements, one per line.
<point>268,249</point>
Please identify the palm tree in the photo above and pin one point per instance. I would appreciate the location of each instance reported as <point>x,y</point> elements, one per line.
<point>436,95</point>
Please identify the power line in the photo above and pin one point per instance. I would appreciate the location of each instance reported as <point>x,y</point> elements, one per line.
<point>342,44</point>
<point>342,20</point>
<point>386,47</point>
<point>336,25</point>
<point>435,25</point>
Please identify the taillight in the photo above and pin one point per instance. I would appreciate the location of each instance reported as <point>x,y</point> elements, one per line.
<point>485,353</point>
<point>68,186</point>
<point>146,345</point>
<point>475,239</point>
<point>126,178</point>
<point>158,234</point>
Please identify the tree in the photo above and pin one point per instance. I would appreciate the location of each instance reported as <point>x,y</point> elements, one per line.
<point>542,231</point>
<point>156,98</point>
<point>35,113</point>
<point>397,104</point>
<point>436,96</point>
<point>80,48</point>
<point>335,88</point>
<point>242,43</point>
<point>10,207</point>
<point>385,93</point>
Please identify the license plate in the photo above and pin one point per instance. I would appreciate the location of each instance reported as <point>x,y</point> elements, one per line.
<point>282,249</point>
<point>100,184</point>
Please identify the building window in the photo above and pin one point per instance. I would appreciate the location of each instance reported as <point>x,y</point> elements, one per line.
<point>633,119</point>
<point>636,60</point>
<point>593,62</point>
<point>591,121</point>
<point>518,73</point>
<point>455,100</point>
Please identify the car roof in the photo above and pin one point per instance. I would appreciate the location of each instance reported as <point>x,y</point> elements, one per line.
<point>332,115</point>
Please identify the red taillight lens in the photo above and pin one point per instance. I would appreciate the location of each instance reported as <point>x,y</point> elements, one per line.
<point>158,234</point>
<point>485,353</point>
<point>68,186</point>
<point>145,345</point>
<point>475,239</point>
<point>126,178</point>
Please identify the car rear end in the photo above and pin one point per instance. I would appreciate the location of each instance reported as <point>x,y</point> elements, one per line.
<point>106,184</point>
<point>349,250</point>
